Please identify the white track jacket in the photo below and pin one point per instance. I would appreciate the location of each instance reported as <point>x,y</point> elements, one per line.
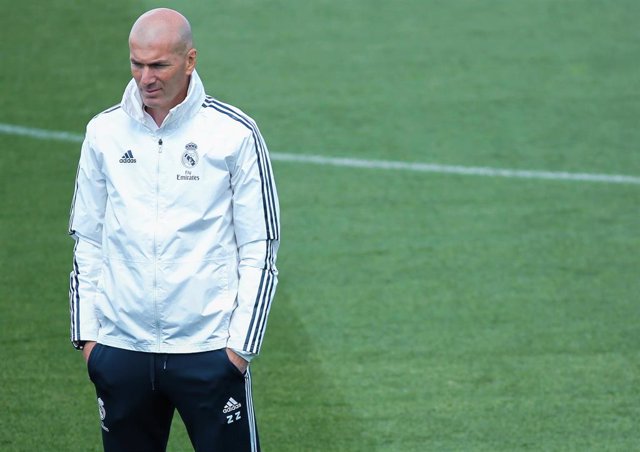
<point>176,229</point>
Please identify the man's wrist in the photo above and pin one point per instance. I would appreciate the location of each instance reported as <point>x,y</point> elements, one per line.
<point>244,355</point>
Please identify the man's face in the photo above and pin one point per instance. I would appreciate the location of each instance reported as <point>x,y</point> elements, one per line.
<point>161,73</point>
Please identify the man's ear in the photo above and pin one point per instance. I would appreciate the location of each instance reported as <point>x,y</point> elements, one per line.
<point>191,60</point>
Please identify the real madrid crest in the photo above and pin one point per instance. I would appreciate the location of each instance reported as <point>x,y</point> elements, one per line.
<point>190,155</point>
<point>189,160</point>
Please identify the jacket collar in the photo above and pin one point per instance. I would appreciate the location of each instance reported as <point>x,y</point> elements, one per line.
<point>132,105</point>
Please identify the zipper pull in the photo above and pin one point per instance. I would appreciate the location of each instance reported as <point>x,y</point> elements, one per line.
<point>160,145</point>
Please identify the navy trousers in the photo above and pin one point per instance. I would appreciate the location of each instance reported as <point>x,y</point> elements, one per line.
<point>139,392</point>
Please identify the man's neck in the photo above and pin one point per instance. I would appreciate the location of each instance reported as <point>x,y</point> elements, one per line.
<point>158,115</point>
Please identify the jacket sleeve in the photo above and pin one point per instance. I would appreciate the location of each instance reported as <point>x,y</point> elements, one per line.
<point>256,216</point>
<point>85,226</point>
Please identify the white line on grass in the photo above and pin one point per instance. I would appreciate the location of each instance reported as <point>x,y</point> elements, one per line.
<point>43,134</point>
<point>449,169</point>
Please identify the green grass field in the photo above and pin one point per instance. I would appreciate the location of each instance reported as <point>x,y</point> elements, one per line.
<point>416,311</point>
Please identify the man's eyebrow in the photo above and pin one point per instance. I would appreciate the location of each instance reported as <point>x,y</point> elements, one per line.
<point>152,63</point>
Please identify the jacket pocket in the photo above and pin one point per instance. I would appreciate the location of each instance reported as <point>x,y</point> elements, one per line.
<point>194,300</point>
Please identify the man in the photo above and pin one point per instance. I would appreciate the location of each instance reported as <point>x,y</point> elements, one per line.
<point>175,217</point>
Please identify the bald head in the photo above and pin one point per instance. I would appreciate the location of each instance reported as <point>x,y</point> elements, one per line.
<point>162,60</point>
<point>162,25</point>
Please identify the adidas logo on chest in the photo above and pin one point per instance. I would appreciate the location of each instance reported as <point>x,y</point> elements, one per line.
<point>128,157</point>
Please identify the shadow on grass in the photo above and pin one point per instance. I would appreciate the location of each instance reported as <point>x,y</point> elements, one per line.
<point>300,406</point>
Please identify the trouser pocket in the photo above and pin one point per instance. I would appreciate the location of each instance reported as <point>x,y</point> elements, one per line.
<point>93,357</point>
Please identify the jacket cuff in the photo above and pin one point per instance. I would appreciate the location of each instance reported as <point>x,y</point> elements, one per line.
<point>79,344</point>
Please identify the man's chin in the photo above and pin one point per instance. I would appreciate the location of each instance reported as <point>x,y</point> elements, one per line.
<point>150,98</point>
<point>151,102</point>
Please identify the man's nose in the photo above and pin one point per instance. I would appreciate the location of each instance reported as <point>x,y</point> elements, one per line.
<point>147,76</point>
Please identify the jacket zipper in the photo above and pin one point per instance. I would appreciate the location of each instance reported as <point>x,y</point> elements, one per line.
<point>155,249</point>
